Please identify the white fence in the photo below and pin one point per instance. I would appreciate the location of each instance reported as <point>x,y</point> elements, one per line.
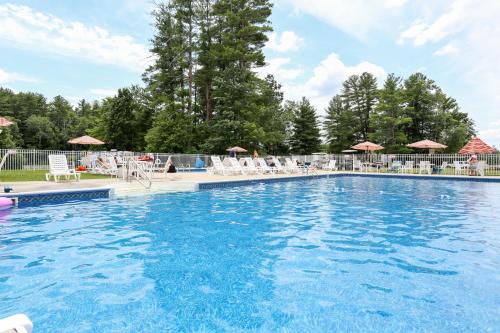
<point>30,159</point>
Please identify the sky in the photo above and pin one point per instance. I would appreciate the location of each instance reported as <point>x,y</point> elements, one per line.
<point>89,49</point>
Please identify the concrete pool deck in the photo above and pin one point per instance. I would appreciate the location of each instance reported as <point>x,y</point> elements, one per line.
<point>189,182</point>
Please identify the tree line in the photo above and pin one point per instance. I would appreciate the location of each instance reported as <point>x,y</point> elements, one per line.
<point>202,94</point>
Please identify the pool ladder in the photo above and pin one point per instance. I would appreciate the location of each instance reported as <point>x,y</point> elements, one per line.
<point>138,171</point>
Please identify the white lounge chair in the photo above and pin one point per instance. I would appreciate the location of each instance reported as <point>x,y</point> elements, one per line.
<point>263,167</point>
<point>218,167</point>
<point>18,323</point>
<point>290,166</point>
<point>407,167</point>
<point>279,167</point>
<point>106,166</point>
<point>331,166</point>
<point>233,164</point>
<point>58,167</point>
<point>425,166</point>
<point>248,165</point>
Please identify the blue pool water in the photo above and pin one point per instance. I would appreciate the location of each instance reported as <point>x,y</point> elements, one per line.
<point>349,254</point>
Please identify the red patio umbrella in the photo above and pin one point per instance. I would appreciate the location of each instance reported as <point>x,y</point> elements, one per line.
<point>367,146</point>
<point>85,140</point>
<point>427,144</point>
<point>476,146</point>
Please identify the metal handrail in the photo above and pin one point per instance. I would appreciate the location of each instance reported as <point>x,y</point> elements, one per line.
<point>135,170</point>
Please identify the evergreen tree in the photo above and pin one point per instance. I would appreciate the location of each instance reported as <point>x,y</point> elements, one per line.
<point>339,126</point>
<point>389,119</point>
<point>306,135</point>
<point>360,94</point>
<point>121,125</point>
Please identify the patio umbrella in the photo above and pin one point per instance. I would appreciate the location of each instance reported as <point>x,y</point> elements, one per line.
<point>427,144</point>
<point>237,149</point>
<point>85,140</point>
<point>4,122</point>
<point>367,146</point>
<point>476,146</point>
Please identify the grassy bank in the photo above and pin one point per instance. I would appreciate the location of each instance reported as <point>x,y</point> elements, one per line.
<point>34,175</point>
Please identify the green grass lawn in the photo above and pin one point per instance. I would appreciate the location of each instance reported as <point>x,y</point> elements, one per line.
<point>34,175</point>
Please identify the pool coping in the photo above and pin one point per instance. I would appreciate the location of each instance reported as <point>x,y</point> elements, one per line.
<point>24,199</point>
<point>245,182</point>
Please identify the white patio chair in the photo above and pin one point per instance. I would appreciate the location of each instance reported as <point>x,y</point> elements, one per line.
<point>407,167</point>
<point>248,165</point>
<point>460,168</point>
<point>290,166</point>
<point>232,164</point>
<point>331,166</point>
<point>357,165</point>
<point>263,167</point>
<point>58,167</point>
<point>480,167</point>
<point>218,167</point>
<point>279,167</point>
<point>425,166</point>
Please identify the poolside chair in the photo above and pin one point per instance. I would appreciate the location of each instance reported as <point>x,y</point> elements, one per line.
<point>58,167</point>
<point>407,167</point>
<point>395,166</point>
<point>480,166</point>
<point>331,166</point>
<point>106,166</point>
<point>442,168</point>
<point>218,167</point>
<point>248,165</point>
<point>262,166</point>
<point>425,166</point>
<point>278,166</point>
<point>356,165</point>
<point>233,165</point>
<point>290,166</point>
<point>460,168</point>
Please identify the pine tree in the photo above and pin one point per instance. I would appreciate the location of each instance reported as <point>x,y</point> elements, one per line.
<point>360,94</point>
<point>121,129</point>
<point>338,125</point>
<point>306,134</point>
<point>389,119</point>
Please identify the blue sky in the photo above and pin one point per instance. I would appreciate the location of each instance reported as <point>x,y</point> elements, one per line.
<point>89,49</point>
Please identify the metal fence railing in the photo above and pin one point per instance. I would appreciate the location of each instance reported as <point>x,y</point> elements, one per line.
<point>32,159</point>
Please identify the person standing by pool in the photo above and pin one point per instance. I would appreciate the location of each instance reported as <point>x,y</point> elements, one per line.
<point>472,161</point>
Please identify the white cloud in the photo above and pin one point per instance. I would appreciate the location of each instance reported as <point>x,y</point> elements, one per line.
<point>453,21</point>
<point>448,49</point>
<point>327,80</point>
<point>8,77</point>
<point>469,32</point>
<point>355,17</point>
<point>24,27</point>
<point>288,41</point>
<point>275,67</point>
<point>103,92</point>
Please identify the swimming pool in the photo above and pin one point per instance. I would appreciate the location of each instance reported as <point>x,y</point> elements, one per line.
<point>353,254</point>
